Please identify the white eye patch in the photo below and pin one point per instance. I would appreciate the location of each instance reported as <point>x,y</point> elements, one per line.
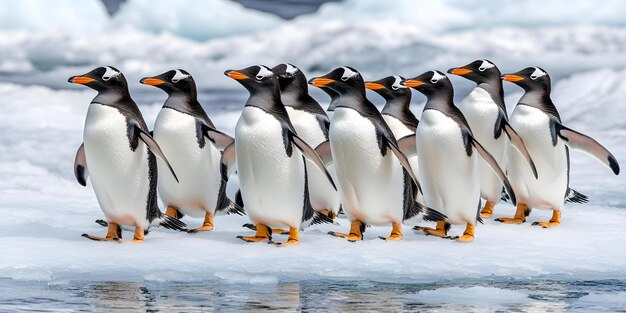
<point>396,84</point>
<point>485,65</point>
<point>178,76</point>
<point>437,77</point>
<point>537,73</point>
<point>348,73</point>
<point>290,69</point>
<point>109,73</point>
<point>263,72</point>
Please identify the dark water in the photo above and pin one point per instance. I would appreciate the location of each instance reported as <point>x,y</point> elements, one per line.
<point>313,296</point>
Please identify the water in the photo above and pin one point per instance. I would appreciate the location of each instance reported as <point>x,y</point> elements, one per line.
<point>315,296</point>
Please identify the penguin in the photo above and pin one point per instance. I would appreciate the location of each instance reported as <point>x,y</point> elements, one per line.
<point>311,124</point>
<point>118,154</point>
<point>486,114</point>
<point>396,111</point>
<point>538,123</point>
<point>186,133</point>
<point>376,182</point>
<point>449,154</point>
<point>270,160</point>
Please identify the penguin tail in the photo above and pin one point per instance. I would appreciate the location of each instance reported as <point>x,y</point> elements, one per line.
<point>573,196</point>
<point>225,206</point>
<point>504,196</point>
<point>239,198</point>
<point>169,222</point>
<point>321,218</point>
<point>417,211</point>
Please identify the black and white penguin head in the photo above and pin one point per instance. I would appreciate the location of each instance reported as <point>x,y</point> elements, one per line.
<point>342,80</point>
<point>479,71</point>
<point>103,78</point>
<point>290,78</point>
<point>390,88</point>
<point>172,82</point>
<point>530,78</point>
<point>430,83</point>
<point>255,78</point>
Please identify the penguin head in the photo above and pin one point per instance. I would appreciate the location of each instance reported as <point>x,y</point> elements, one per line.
<point>104,78</point>
<point>431,84</point>
<point>343,80</point>
<point>389,88</point>
<point>479,71</point>
<point>290,78</point>
<point>256,78</point>
<point>174,81</point>
<point>530,78</point>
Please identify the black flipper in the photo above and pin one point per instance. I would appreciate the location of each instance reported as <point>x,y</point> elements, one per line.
<point>239,198</point>
<point>518,144</point>
<point>579,141</point>
<point>384,137</point>
<point>310,154</point>
<point>228,161</point>
<point>154,147</point>
<point>80,166</point>
<point>220,139</point>
<point>225,205</point>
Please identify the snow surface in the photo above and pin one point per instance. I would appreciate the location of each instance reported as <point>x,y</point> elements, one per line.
<point>44,210</point>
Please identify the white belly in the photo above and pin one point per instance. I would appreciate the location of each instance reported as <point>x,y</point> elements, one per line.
<point>549,189</point>
<point>400,130</point>
<point>371,186</point>
<point>322,194</point>
<point>481,114</point>
<point>449,178</point>
<point>119,175</point>
<point>198,169</point>
<point>272,184</point>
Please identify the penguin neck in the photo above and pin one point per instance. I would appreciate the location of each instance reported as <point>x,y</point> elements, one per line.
<point>186,103</point>
<point>496,91</point>
<point>266,99</point>
<point>293,97</point>
<point>540,99</point>
<point>396,104</point>
<point>113,97</point>
<point>440,101</point>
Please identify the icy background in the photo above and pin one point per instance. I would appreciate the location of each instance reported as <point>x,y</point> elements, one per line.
<point>43,210</point>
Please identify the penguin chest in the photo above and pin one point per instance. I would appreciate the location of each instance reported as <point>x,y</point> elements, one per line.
<point>322,194</point>
<point>272,182</point>
<point>195,160</point>
<point>450,179</point>
<point>371,185</point>
<point>481,113</point>
<point>548,190</point>
<point>120,177</point>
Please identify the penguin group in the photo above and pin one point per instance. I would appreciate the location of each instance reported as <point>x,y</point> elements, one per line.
<point>301,165</point>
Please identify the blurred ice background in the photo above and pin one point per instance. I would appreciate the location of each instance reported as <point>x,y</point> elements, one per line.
<point>582,44</point>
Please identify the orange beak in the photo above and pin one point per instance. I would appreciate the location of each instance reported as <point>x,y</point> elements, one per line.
<point>237,75</point>
<point>152,81</point>
<point>81,80</point>
<point>321,82</point>
<point>512,78</point>
<point>413,83</point>
<point>460,71</point>
<point>374,86</point>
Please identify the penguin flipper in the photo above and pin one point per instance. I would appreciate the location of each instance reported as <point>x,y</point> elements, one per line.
<point>402,158</point>
<point>493,164</point>
<point>408,145</point>
<point>228,161</point>
<point>324,152</point>
<point>579,141</point>
<point>154,148</point>
<point>310,154</point>
<point>80,166</point>
<point>518,143</point>
<point>220,139</point>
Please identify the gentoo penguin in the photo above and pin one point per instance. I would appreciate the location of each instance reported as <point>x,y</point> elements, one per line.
<point>311,124</point>
<point>376,182</point>
<point>269,157</point>
<point>396,112</point>
<point>449,155</point>
<point>194,145</point>
<point>485,112</point>
<point>538,122</point>
<point>118,154</point>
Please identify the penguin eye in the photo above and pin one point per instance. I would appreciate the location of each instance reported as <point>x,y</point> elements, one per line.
<point>344,78</point>
<point>394,87</point>
<point>482,69</point>
<point>175,80</point>
<point>259,77</point>
<point>434,81</point>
